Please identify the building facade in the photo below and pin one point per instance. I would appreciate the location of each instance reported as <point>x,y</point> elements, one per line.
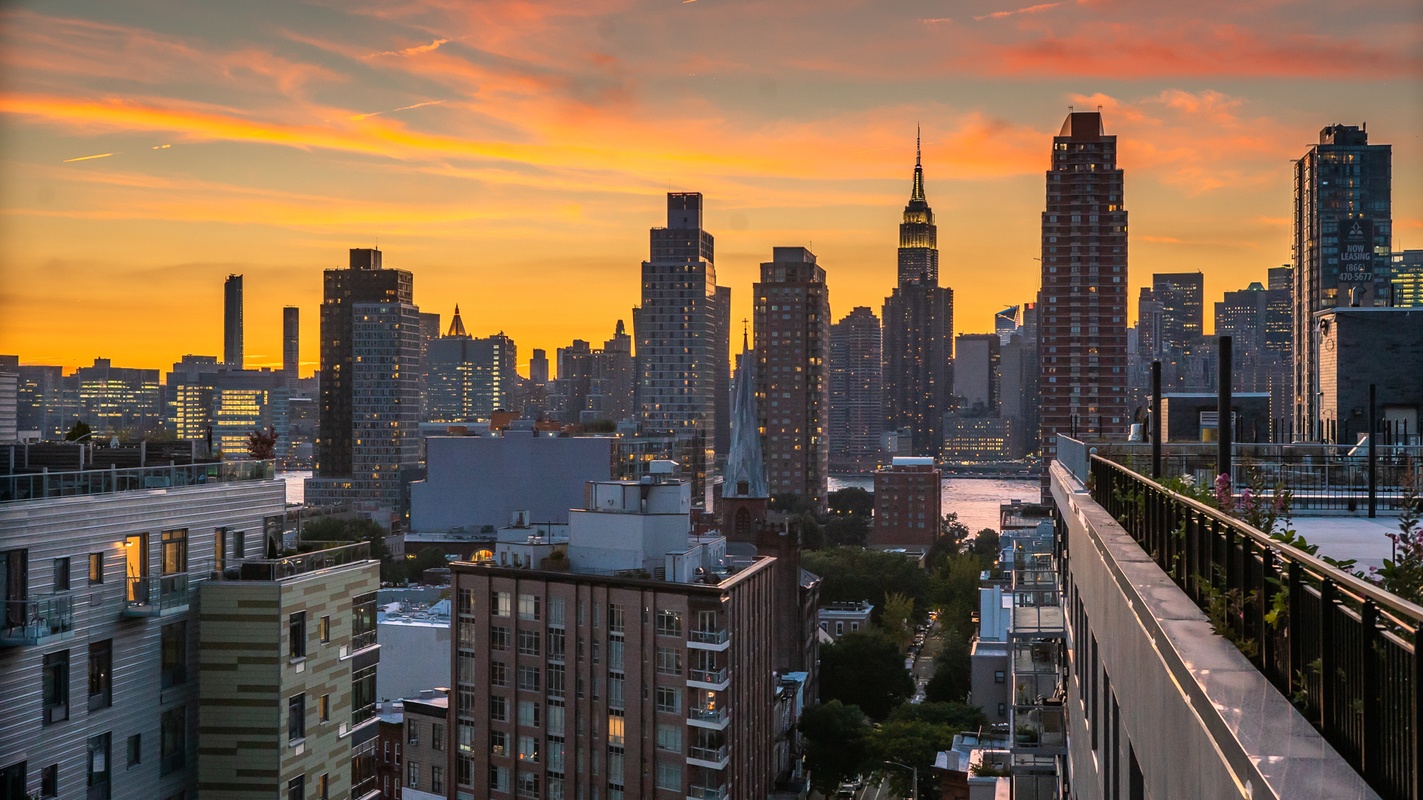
<point>1343,227</point>
<point>232,322</point>
<point>1083,301</point>
<point>856,391</point>
<point>291,345</point>
<point>1181,296</point>
<point>918,330</point>
<point>908,503</point>
<point>468,378</point>
<point>792,318</point>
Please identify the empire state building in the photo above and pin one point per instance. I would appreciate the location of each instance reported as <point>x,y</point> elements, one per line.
<point>918,330</point>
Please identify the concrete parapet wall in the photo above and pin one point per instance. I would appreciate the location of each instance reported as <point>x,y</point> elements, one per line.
<point>1158,704</point>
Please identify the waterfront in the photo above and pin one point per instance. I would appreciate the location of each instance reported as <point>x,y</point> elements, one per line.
<point>975,500</point>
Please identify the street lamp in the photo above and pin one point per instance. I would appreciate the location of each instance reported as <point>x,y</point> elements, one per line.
<point>914,787</point>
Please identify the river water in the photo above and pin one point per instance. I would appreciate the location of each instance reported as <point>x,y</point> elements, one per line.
<point>975,500</point>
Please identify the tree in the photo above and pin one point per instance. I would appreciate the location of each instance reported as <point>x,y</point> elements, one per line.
<point>79,430</point>
<point>852,574</point>
<point>332,529</point>
<point>986,544</point>
<point>914,735</point>
<point>791,503</point>
<point>852,501</point>
<point>428,558</point>
<point>897,619</point>
<point>836,736</point>
<point>262,445</point>
<point>953,670</point>
<point>958,716</point>
<point>953,588</point>
<point>865,669</point>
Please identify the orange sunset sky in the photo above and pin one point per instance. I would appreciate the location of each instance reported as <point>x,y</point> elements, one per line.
<point>512,154</point>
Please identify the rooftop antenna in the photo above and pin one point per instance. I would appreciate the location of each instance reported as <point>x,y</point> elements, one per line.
<point>745,334</point>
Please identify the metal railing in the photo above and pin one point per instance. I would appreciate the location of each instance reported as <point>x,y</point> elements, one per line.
<point>713,754</point>
<point>28,621</point>
<point>1345,651</point>
<point>708,637</point>
<point>707,792</point>
<point>715,715</point>
<point>707,675</point>
<point>157,593</point>
<point>362,640</point>
<point>272,569</point>
<point>41,485</point>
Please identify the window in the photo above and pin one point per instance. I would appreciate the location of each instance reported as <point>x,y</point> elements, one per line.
<point>498,673</point>
<point>528,643</point>
<point>323,787</point>
<point>498,778</point>
<point>175,551</point>
<point>498,709</point>
<point>498,743</point>
<point>56,687</point>
<point>96,568</point>
<point>61,575</point>
<point>363,621</point>
<point>556,643</point>
<point>175,654</point>
<point>296,788</point>
<point>135,750</point>
<point>325,628</point>
<point>669,775</point>
<point>528,713</point>
<point>101,662</point>
<point>669,699</point>
<point>412,731</point>
<point>615,654</point>
<point>615,765</point>
<point>669,737</point>
<point>502,608</point>
<point>528,748</point>
<point>296,631</point>
<point>437,779</point>
<point>528,784</point>
<point>239,544</point>
<point>528,679</point>
<point>615,618</point>
<point>998,676</point>
<point>412,773</point>
<point>324,707</point>
<point>465,731</point>
<point>556,611</point>
<point>616,726</point>
<point>555,719</point>
<point>296,717</point>
<point>498,638</point>
<point>669,623</point>
<point>555,680</point>
<point>99,767</point>
<point>437,736</point>
<point>173,740</point>
<point>669,661</point>
<point>363,694</point>
<point>529,607</point>
<point>49,781</point>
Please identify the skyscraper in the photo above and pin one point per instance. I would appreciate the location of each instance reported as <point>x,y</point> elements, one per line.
<point>594,385</point>
<point>467,379</point>
<point>1084,286</point>
<point>856,391</point>
<point>918,329</point>
<point>1343,225</point>
<point>792,318</point>
<point>232,322</point>
<point>681,329</point>
<point>291,344</point>
<point>370,364</point>
<point>1180,295</point>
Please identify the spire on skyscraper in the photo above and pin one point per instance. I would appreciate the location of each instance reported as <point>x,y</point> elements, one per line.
<point>457,324</point>
<point>745,469</point>
<point>918,192</point>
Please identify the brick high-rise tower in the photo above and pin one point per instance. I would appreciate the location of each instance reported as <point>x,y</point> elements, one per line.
<point>1084,287</point>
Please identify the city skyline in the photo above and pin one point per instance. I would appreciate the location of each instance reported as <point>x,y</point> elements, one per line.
<point>145,149</point>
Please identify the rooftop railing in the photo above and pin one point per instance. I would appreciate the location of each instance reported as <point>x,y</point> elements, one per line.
<point>1342,649</point>
<point>44,485</point>
<point>273,569</point>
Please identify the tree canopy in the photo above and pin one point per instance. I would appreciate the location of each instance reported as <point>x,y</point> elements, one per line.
<point>836,738</point>
<point>850,574</point>
<point>865,669</point>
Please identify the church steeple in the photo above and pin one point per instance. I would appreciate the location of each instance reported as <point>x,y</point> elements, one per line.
<point>745,475</point>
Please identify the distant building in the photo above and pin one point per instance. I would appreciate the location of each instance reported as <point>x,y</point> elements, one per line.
<point>908,505</point>
<point>1195,416</point>
<point>1181,297</point>
<point>42,404</point>
<point>977,374</point>
<point>840,618</point>
<point>9,399</point>
<point>594,384</point>
<point>1258,321</point>
<point>288,657</point>
<point>1406,276</point>
<point>370,392</point>
<point>1083,301</point>
<point>424,747</point>
<point>291,345</point>
<point>1343,230</point>
<point>468,379</point>
<point>792,318</point>
<point>232,322</point>
<point>856,392</point>
<point>1363,346</point>
<point>677,681</point>
<point>114,400</point>
<point>408,637</point>
<point>918,330</point>
<point>971,438</point>
<point>1019,373</point>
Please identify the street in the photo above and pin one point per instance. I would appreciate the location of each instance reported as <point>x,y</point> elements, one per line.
<point>924,666</point>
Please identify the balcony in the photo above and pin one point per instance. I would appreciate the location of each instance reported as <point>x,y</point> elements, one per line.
<point>706,793</point>
<point>718,641</point>
<point>43,485</point>
<point>38,620</point>
<point>715,679</point>
<point>709,757</point>
<point>157,596</point>
<point>714,718</point>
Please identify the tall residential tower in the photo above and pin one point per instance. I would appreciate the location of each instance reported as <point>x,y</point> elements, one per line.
<point>856,391</point>
<point>232,321</point>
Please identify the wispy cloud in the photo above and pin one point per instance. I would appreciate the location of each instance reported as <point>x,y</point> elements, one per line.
<point>88,158</point>
<point>393,110</point>
<point>1028,10</point>
<point>937,20</point>
<point>412,51</point>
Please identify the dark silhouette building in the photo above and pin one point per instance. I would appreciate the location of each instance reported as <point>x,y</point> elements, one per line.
<point>856,391</point>
<point>1083,301</point>
<point>232,321</point>
<point>918,330</point>
<point>291,344</point>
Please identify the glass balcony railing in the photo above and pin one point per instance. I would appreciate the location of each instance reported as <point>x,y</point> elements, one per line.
<point>708,675</point>
<point>707,792</point>
<point>157,595</point>
<point>716,755</point>
<point>32,621</point>
<point>712,715</point>
<point>41,485</point>
<point>709,637</point>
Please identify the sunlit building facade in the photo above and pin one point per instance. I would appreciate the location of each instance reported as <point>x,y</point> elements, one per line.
<point>856,391</point>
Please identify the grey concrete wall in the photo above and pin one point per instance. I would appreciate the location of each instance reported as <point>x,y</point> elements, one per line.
<point>1151,681</point>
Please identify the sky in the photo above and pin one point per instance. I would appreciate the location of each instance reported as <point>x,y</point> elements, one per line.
<point>512,154</point>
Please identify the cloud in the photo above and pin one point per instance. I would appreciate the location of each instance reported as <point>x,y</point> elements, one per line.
<point>393,110</point>
<point>412,51</point>
<point>1028,10</point>
<point>88,158</point>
